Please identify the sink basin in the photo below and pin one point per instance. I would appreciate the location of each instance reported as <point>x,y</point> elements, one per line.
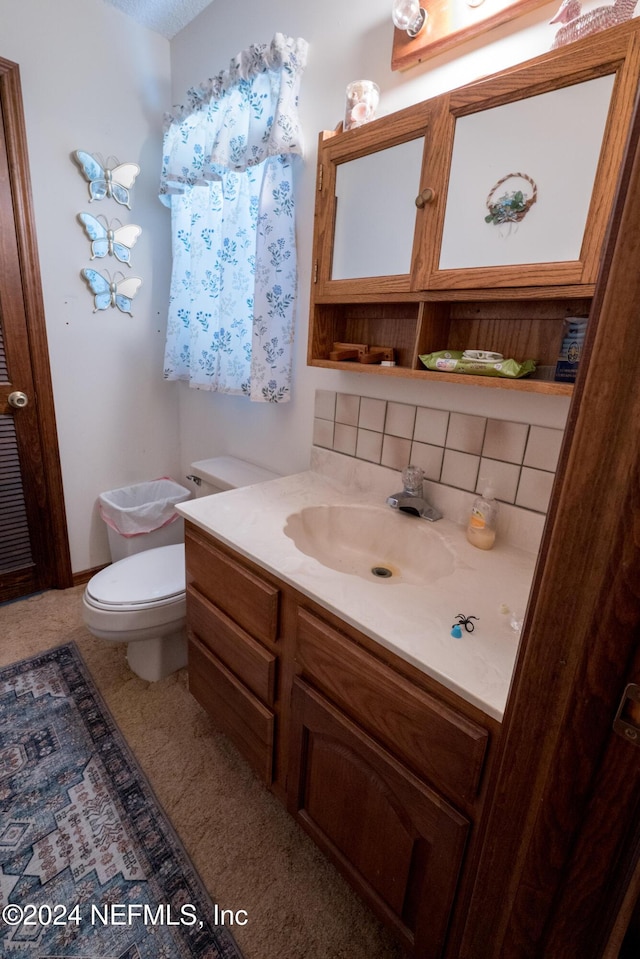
<point>371,542</point>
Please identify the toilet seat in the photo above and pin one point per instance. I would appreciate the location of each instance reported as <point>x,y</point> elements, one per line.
<point>152,579</point>
<point>141,600</point>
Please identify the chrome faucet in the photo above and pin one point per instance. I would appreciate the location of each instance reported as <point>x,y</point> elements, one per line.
<point>411,499</point>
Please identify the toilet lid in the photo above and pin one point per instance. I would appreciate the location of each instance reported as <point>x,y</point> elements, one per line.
<point>154,576</point>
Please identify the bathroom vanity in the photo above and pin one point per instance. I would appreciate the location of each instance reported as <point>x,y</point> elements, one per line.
<point>350,698</point>
<point>346,693</point>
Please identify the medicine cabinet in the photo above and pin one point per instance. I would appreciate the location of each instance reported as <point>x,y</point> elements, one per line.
<point>476,219</point>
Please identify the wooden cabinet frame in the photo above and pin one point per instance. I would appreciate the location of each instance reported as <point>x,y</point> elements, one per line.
<point>516,310</point>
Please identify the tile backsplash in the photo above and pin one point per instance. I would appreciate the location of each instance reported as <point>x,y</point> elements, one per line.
<point>456,449</point>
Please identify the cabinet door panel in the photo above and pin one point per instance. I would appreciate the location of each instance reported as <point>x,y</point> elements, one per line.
<point>368,181</point>
<point>439,743</point>
<point>375,212</point>
<point>397,841</point>
<point>538,150</point>
<point>512,150</point>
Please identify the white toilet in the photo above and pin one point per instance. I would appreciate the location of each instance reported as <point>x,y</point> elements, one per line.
<point>140,599</point>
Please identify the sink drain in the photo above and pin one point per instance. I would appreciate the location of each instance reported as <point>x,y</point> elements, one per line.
<point>382,571</point>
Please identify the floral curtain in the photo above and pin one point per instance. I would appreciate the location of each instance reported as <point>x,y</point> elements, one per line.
<point>227,176</point>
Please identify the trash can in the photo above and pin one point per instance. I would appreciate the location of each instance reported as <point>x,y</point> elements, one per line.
<point>143,516</point>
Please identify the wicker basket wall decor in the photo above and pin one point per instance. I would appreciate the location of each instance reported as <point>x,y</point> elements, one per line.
<point>512,206</point>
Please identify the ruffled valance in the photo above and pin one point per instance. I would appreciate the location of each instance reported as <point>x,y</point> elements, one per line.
<point>237,119</point>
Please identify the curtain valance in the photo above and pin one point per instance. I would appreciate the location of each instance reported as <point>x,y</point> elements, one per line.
<point>237,119</point>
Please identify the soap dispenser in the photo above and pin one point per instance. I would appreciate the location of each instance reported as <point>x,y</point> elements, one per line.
<point>481,528</point>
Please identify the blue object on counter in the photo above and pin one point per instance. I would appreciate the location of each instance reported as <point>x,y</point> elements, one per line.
<point>456,632</point>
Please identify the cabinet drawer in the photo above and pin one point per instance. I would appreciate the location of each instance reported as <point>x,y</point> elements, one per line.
<point>234,709</point>
<point>249,600</point>
<point>438,743</point>
<point>244,656</point>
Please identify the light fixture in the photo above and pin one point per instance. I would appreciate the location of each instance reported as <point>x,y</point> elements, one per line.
<point>409,16</point>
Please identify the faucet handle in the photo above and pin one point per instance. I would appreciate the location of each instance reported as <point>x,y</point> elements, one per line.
<point>413,478</point>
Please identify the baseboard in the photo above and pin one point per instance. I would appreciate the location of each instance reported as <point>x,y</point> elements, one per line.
<point>83,577</point>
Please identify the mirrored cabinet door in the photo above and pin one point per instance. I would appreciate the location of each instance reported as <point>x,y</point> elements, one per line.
<point>522,176</point>
<point>534,159</point>
<point>375,212</point>
<point>368,182</point>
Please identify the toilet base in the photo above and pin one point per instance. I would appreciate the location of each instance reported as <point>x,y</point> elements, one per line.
<point>155,659</point>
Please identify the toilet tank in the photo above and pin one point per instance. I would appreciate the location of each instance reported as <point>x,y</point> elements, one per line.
<point>224,473</point>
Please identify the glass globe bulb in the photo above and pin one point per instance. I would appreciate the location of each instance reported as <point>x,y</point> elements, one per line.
<point>408,15</point>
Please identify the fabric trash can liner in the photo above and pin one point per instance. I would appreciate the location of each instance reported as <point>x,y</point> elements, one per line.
<point>143,507</point>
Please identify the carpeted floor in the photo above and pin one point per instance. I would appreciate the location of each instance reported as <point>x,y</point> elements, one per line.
<point>249,852</point>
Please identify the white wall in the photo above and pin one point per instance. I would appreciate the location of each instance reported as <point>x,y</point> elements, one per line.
<point>94,80</point>
<point>347,41</point>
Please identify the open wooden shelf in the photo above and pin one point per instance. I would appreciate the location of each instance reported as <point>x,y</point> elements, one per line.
<point>525,385</point>
<point>519,329</point>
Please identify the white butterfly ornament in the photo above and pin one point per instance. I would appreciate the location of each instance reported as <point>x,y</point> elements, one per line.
<point>112,292</point>
<point>107,181</point>
<point>107,241</point>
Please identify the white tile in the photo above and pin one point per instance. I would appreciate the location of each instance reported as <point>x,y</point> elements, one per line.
<point>466,433</point>
<point>323,433</point>
<point>460,470</point>
<point>344,439</point>
<point>400,419</point>
<point>369,445</point>
<point>534,489</point>
<point>501,477</point>
<point>396,451</point>
<point>325,404</point>
<point>505,441</point>
<point>543,448</point>
<point>429,458</point>
<point>347,409</point>
<point>431,426</point>
<point>372,414</point>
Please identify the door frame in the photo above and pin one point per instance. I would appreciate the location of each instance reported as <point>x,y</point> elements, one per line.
<point>560,842</point>
<point>57,571</point>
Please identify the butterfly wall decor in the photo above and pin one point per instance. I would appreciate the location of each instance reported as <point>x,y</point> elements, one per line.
<point>111,291</point>
<point>107,181</point>
<point>108,239</point>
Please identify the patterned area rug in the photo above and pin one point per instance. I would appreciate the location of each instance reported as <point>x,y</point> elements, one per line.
<point>90,867</point>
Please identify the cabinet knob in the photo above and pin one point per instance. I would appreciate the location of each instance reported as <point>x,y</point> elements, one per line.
<point>424,197</point>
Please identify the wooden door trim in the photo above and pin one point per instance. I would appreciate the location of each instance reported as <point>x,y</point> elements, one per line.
<point>58,574</point>
<point>577,653</point>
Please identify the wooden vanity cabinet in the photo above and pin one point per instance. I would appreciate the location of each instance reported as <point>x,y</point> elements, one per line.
<point>395,839</point>
<point>469,284</point>
<point>382,766</point>
<point>385,775</point>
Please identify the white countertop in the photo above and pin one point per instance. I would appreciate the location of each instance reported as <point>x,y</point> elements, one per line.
<point>414,621</point>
